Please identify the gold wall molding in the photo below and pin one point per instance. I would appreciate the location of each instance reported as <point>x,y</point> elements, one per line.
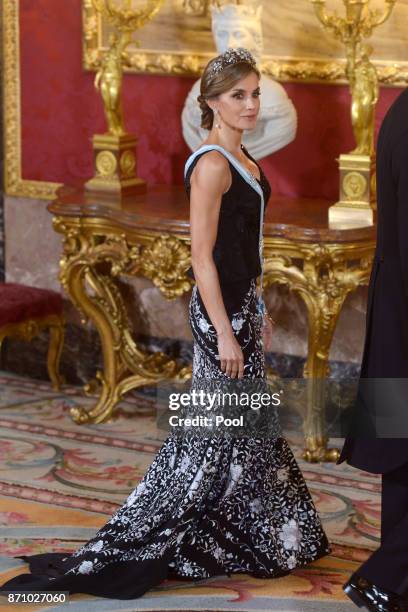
<point>14,184</point>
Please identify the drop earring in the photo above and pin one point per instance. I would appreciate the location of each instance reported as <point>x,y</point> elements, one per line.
<point>218,124</point>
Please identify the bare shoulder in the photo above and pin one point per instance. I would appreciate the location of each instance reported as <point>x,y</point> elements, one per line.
<point>212,171</point>
<point>212,163</point>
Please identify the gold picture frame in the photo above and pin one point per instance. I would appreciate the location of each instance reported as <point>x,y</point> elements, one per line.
<point>303,51</point>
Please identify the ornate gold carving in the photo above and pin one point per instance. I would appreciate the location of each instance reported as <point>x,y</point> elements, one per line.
<point>322,275</point>
<point>127,162</point>
<point>359,21</point>
<point>354,184</point>
<point>105,163</point>
<point>165,262</point>
<point>92,287</point>
<point>30,328</point>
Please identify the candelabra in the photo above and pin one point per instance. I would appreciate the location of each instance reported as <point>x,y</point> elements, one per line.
<point>115,151</point>
<point>357,168</point>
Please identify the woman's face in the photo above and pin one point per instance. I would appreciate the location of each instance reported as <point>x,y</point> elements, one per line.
<point>239,106</point>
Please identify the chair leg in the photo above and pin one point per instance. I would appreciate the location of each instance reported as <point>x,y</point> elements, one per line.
<point>57,332</point>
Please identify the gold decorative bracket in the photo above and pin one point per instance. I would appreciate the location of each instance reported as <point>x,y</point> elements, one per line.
<point>89,268</point>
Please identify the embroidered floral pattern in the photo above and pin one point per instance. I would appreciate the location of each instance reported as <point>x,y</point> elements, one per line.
<point>290,535</point>
<point>215,505</point>
<point>85,567</point>
<point>237,324</point>
<point>203,325</point>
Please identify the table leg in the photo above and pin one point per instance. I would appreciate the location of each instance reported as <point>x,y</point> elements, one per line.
<point>87,276</point>
<point>322,275</point>
<point>323,313</point>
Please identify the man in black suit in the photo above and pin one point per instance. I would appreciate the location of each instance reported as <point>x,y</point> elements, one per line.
<point>381,583</point>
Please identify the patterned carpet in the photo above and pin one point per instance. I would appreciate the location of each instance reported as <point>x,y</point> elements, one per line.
<point>59,482</point>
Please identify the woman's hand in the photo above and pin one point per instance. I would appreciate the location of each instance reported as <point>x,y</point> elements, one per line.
<point>231,356</point>
<point>267,329</point>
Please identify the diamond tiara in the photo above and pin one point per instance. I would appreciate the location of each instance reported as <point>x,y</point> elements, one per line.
<point>231,56</point>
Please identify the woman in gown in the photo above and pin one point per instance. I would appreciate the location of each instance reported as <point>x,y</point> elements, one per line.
<point>208,505</point>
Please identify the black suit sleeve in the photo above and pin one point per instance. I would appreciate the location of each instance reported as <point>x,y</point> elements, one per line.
<point>400,177</point>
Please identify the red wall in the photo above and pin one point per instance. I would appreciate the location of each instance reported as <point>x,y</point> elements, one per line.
<point>61,111</point>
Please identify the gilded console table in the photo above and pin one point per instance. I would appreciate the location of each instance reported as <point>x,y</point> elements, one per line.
<point>322,266</point>
<point>148,235</point>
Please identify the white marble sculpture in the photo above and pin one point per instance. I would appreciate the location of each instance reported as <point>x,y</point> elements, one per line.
<point>239,25</point>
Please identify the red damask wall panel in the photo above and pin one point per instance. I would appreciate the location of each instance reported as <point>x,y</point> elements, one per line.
<point>61,111</point>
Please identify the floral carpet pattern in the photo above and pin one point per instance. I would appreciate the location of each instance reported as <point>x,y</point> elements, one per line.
<point>59,482</point>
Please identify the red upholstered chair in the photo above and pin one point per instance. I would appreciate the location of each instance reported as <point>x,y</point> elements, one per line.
<point>25,311</point>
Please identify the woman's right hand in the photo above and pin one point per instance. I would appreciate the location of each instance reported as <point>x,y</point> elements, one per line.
<point>230,354</point>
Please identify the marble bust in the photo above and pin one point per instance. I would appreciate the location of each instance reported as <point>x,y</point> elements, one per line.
<point>239,25</point>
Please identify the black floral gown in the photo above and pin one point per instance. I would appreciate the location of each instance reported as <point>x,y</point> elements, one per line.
<point>206,505</point>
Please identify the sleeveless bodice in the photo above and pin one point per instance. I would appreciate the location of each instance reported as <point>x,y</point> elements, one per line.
<point>236,249</point>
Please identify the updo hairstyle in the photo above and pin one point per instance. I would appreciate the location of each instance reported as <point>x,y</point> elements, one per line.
<point>212,86</point>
